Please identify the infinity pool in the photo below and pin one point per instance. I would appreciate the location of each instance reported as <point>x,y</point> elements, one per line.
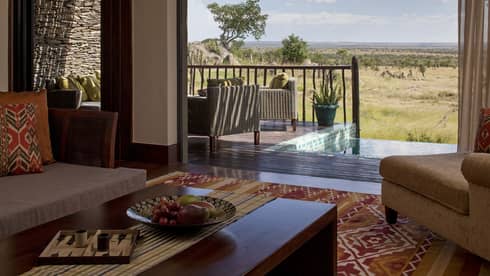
<point>337,141</point>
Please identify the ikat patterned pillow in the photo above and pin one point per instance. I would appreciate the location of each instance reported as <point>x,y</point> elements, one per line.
<point>19,145</point>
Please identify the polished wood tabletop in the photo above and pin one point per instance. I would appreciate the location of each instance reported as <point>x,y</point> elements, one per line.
<point>292,236</point>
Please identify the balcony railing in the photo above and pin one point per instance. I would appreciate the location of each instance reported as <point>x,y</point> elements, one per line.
<point>308,79</point>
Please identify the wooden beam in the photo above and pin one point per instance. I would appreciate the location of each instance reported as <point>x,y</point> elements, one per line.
<point>182,79</point>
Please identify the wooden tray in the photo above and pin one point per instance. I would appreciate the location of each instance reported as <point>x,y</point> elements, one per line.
<point>62,251</point>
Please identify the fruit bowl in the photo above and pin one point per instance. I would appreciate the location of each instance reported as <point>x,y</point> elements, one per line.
<point>144,211</point>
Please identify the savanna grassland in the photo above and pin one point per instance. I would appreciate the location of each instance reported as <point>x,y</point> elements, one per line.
<point>416,109</point>
<point>408,94</point>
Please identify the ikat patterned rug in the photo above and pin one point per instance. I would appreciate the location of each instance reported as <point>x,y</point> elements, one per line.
<point>367,245</point>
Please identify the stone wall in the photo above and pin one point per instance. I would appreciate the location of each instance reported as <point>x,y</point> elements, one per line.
<point>67,38</point>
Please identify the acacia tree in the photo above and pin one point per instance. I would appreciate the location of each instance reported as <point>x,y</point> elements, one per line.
<point>294,49</point>
<point>239,21</point>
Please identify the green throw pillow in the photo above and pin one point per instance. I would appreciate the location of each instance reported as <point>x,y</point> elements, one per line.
<point>97,74</point>
<point>63,83</point>
<point>280,81</point>
<point>92,87</point>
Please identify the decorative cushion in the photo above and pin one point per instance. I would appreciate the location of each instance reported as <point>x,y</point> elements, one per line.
<point>19,145</point>
<point>280,81</point>
<point>483,135</point>
<point>97,75</point>
<point>92,88</point>
<point>39,99</point>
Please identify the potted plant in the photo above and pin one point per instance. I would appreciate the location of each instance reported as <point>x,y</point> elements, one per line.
<point>326,102</point>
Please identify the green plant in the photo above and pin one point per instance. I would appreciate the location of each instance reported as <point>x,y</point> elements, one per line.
<point>327,95</point>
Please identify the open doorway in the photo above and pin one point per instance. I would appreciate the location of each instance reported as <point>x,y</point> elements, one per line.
<point>54,39</point>
<point>399,95</point>
<point>67,52</point>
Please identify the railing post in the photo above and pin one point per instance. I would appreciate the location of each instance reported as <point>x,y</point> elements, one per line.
<point>304,96</point>
<point>355,96</point>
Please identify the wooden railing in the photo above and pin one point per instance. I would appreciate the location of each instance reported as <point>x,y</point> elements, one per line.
<point>311,78</point>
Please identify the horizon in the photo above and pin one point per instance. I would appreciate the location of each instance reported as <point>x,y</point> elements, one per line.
<point>343,21</point>
<point>346,42</point>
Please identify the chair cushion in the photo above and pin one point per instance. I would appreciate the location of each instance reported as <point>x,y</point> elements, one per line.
<point>19,145</point>
<point>437,177</point>
<point>63,189</point>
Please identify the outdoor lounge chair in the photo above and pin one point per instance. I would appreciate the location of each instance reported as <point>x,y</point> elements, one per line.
<point>279,104</point>
<point>225,111</point>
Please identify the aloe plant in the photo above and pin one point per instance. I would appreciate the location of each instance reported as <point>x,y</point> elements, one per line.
<point>327,95</point>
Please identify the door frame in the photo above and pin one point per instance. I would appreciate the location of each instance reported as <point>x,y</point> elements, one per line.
<point>182,117</point>
<point>117,69</point>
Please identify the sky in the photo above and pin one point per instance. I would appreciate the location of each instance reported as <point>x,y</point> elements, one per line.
<point>343,20</point>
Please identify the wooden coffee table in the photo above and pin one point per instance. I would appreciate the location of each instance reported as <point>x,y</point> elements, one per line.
<point>284,235</point>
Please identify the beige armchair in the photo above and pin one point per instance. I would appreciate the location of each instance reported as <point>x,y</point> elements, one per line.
<point>279,104</point>
<point>448,193</point>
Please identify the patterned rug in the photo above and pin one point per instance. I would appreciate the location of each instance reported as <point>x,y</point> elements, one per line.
<point>367,245</point>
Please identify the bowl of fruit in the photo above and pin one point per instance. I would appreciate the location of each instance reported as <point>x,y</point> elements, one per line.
<point>182,211</point>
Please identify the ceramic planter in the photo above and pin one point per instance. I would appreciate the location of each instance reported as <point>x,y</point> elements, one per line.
<point>326,114</point>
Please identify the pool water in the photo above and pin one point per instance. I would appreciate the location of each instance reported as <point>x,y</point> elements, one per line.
<point>338,141</point>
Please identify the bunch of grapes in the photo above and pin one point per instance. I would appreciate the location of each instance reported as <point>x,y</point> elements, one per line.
<point>166,212</point>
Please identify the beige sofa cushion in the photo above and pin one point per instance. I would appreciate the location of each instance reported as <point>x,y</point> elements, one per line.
<point>63,189</point>
<point>437,177</point>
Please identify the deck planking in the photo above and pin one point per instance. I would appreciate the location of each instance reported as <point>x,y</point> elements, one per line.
<point>239,152</point>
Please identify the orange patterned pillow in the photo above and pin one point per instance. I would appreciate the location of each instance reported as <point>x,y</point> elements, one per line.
<point>483,135</point>
<point>39,99</point>
<point>19,145</point>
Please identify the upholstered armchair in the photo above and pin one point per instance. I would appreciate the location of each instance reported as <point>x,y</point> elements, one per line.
<point>448,193</point>
<point>225,111</point>
<point>279,104</point>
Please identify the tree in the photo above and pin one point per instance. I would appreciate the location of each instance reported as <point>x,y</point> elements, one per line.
<point>239,21</point>
<point>294,49</point>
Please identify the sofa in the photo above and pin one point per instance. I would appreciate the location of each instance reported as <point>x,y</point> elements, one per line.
<point>83,176</point>
<point>279,104</point>
<point>448,193</point>
<point>225,111</point>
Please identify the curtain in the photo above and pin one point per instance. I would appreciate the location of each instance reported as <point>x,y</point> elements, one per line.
<point>474,69</point>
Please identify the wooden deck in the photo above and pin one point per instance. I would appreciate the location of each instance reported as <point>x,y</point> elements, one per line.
<point>239,152</point>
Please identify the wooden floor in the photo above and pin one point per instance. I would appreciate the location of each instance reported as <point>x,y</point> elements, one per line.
<point>239,152</point>
<point>156,170</point>
<point>238,157</point>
